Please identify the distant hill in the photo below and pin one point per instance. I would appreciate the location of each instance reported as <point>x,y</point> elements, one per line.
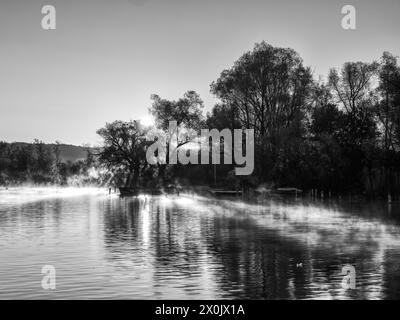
<point>72,153</point>
<point>68,152</point>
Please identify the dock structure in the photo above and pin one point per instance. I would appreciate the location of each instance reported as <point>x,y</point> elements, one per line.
<point>289,190</point>
<point>226,192</point>
<point>128,192</point>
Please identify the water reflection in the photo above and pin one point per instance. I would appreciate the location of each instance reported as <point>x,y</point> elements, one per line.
<point>194,247</point>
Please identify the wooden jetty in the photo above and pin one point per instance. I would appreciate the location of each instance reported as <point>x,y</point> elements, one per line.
<point>226,192</point>
<point>288,191</point>
<point>128,192</point>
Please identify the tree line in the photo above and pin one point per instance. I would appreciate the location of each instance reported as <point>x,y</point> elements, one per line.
<point>341,135</point>
<point>38,163</point>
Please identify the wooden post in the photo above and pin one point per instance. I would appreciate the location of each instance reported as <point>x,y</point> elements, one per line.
<point>215,175</point>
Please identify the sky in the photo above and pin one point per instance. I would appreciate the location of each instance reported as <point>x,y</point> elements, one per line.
<point>105,58</point>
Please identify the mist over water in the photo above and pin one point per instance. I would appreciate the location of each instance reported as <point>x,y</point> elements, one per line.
<point>194,247</point>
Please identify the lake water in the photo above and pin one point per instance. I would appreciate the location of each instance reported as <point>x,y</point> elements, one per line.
<point>189,247</point>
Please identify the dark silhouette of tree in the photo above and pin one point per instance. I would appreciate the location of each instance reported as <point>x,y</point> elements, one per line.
<point>186,111</point>
<point>57,161</point>
<point>124,148</point>
<point>353,85</point>
<point>267,86</point>
<point>268,91</point>
<point>44,163</point>
<point>388,108</point>
<point>188,114</point>
<point>40,163</point>
<point>223,116</point>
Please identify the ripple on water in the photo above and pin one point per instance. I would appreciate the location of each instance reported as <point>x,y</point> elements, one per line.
<point>193,247</point>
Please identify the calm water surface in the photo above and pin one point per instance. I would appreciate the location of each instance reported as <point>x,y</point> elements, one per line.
<point>194,247</point>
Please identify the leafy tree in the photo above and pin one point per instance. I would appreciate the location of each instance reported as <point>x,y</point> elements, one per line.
<point>388,108</point>
<point>268,87</point>
<point>222,116</point>
<point>44,163</point>
<point>353,85</point>
<point>186,111</point>
<point>124,149</point>
<point>57,161</point>
<point>268,90</point>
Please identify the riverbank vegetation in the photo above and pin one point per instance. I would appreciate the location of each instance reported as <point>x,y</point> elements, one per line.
<point>38,163</point>
<point>341,135</point>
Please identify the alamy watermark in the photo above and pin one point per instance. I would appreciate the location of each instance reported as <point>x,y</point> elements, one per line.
<point>349,279</point>
<point>49,18</point>
<point>49,278</point>
<point>348,20</point>
<point>199,150</point>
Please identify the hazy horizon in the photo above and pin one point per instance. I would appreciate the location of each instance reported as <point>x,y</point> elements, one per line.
<point>105,59</point>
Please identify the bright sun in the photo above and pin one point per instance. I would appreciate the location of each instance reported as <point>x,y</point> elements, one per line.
<point>147,120</point>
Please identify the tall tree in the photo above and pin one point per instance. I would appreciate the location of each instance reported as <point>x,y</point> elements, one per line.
<point>353,91</point>
<point>44,162</point>
<point>187,112</point>
<point>268,86</point>
<point>124,148</point>
<point>268,90</point>
<point>353,85</point>
<point>388,107</point>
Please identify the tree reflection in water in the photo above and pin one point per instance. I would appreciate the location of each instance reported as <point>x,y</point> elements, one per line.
<point>204,248</point>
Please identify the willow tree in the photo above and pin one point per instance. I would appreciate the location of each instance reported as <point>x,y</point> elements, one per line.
<point>268,89</point>
<point>124,149</point>
<point>186,111</point>
<point>388,114</point>
<point>352,86</point>
<point>388,108</point>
